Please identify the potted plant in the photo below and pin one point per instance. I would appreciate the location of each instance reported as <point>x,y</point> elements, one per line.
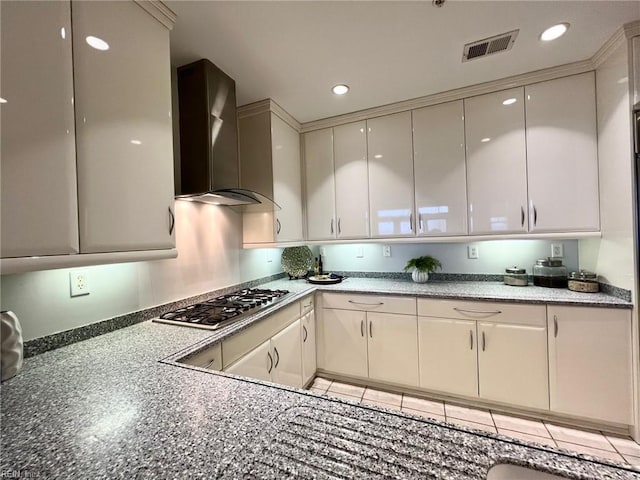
<point>421,267</point>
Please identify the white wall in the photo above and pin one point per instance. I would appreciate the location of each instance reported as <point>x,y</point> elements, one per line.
<point>210,257</point>
<point>612,256</point>
<point>494,256</point>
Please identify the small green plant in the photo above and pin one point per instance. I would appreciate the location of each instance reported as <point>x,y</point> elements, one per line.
<point>423,264</point>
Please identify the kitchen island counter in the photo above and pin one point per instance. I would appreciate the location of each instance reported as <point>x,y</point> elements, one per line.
<point>107,408</point>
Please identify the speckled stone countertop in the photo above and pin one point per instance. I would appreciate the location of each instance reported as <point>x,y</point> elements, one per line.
<point>106,408</point>
<point>482,291</point>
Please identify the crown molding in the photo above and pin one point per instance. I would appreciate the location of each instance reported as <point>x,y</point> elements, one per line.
<point>608,47</point>
<point>268,105</point>
<point>632,29</point>
<point>451,95</point>
<point>159,11</point>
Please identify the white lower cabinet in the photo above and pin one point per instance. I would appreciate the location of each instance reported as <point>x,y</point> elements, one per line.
<point>448,357</point>
<point>590,362</point>
<point>512,364</point>
<point>342,345</point>
<point>308,332</point>
<point>277,359</point>
<point>393,348</point>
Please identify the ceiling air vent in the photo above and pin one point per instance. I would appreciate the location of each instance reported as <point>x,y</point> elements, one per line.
<point>489,46</point>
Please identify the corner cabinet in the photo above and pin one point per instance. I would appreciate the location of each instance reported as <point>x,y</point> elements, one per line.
<point>99,181</point>
<point>269,151</point>
<point>320,185</point>
<point>562,155</point>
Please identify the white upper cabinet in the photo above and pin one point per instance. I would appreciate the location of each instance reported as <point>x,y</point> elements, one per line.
<point>39,208</point>
<point>269,151</point>
<point>123,127</point>
<point>390,157</point>
<point>562,155</point>
<point>320,186</point>
<point>351,180</point>
<point>496,162</point>
<point>439,169</point>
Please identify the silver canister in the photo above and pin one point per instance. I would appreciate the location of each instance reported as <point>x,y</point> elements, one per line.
<point>516,277</point>
<point>584,281</point>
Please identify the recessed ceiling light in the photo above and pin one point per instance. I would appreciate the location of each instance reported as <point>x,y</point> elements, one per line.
<point>554,32</point>
<point>340,89</point>
<point>509,101</point>
<point>97,43</point>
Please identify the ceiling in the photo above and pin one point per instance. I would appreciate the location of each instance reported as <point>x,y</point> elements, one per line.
<point>387,51</point>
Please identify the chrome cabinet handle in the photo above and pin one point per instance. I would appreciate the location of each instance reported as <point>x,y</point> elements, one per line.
<point>479,312</point>
<point>370,329</point>
<point>275,350</point>
<point>471,339</point>
<point>278,226</point>
<point>522,216</point>
<point>304,337</point>
<point>483,342</point>
<point>411,221</point>
<point>421,225</point>
<point>332,226</point>
<point>270,362</point>
<point>339,229</point>
<point>362,328</point>
<point>172,221</point>
<point>555,326</point>
<point>207,365</point>
<point>364,303</point>
<point>535,216</point>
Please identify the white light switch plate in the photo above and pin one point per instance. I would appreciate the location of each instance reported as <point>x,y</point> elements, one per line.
<point>386,250</point>
<point>557,250</point>
<point>472,252</point>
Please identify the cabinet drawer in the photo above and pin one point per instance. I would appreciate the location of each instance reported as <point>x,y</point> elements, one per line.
<point>493,311</point>
<point>306,305</point>
<point>236,346</point>
<point>210,358</point>
<point>373,303</point>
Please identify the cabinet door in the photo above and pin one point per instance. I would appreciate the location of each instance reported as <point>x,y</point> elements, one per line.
<point>287,356</point>
<point>391,175</point>
<point>512,364</point>
<point>39,209</point>
<point>342,342</point>
<point>393,348</point>
<point>287,192</point>
<point>448,355</point>
<point>352,180</point>
<point>308,323</point>
<point>258,363</point>
<point>562,154</point>
<point>590,362</point>
<point>320,189</point>
<point>440,169</point>
<point>496,162</point>
<point>123,125</point>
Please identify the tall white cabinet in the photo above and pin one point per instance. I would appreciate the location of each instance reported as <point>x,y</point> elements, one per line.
<point>39,209</point>
<point>439,169</point>
<point>320,185</point>
<point>562,154</point>
<point>269,151</point>
<point>390,158</point>
<point>123,127</point>
<point>496,162</point>
<point>352,180</point>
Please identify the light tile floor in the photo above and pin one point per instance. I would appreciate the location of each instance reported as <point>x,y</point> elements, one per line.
<point>598,444</point>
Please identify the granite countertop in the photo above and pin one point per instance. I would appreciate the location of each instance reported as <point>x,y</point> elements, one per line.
<point>107,408</point>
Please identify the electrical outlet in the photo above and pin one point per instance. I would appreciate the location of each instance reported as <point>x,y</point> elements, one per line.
<point>359,251</point>
<point>557,250</point>
<point>386,250</point>
<point>79,283</point>
<point>472,252</point>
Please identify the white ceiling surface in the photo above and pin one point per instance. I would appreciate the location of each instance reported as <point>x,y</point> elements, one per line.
<point>386,51</point>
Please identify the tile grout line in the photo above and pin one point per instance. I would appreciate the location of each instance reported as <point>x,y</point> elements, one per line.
<point>615,448</point>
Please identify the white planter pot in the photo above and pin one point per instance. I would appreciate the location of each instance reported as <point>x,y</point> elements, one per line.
<point>420,277</point>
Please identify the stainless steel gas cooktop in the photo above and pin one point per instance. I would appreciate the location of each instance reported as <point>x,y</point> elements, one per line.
<point>224,310</point>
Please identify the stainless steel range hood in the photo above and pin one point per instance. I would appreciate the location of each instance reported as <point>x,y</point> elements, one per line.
<point>207,169</point>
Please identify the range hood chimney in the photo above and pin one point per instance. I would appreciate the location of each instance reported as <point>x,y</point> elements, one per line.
<point>209,167</point>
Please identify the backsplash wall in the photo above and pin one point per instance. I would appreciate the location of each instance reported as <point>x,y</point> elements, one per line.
<point>494,256</point>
